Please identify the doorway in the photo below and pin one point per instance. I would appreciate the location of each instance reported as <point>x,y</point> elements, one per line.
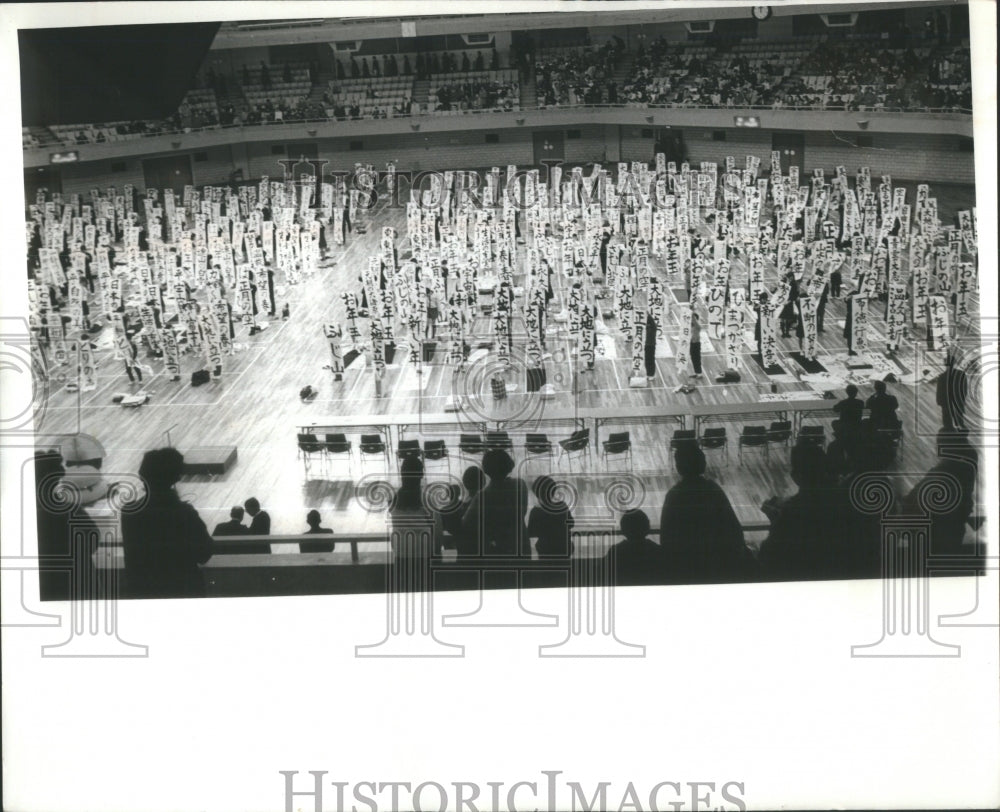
<point>169,172</point>
<point>41,177</point>
<point>792,147</point>
<point>550,145</point>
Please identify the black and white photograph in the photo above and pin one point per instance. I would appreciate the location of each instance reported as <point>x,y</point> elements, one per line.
<point>617,381</point>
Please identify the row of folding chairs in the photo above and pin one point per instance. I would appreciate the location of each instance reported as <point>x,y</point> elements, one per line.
<point>536,445</point>
<point>762,438</point>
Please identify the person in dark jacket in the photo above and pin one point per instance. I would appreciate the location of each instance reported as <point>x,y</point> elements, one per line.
<point>638,560</point>
<point>550,521</point>
<point>498,511</point>
<point>314,520</point>
<point>805,536</point>
<point>67,537</point>
<point>952,393</point>
<point>235,526</point>
<point>700,534</point>
<point>467,542</point>
<point>164,538</point>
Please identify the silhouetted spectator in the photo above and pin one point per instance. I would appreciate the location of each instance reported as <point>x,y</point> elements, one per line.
<point>416,531</point>
<point>163,537</point>
<point>498,510</point>
<point>882,409</point>
<point>952,393</point>
<point>550,521</point>
<point>638,560</point>
<point>313,520</point>
<point>233,527</point>
<point>700,533</point>
<point>805,528</point>
<point>954,477</point>
<point>849,412</point>
<point>260,521</point>
<point>67,538</point>
<point>466,539</point>
<point>865,482</point>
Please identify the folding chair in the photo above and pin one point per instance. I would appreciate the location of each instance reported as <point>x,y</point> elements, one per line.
<point>435,451</point>
<point>753,437</point>
<point>715,439</point>
<point>617,443</point>
<point>339,444</point>
<point>577,443</point>
<point>309,446</point>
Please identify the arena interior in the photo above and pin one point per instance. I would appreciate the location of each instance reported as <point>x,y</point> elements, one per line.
<point>628,264</point>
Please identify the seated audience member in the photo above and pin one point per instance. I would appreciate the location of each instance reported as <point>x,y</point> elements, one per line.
<point>416,531</point>
<point>850,412</point>
<point>865,482</point>
<point>260,521</point>
<point>164,538</point>
<point>550,521</point>
<point>498,510</point>
<point>954,478</point>
<point>451,515</point>
<point>700,534</point>
<point>466,540</point>
<point>806,529</point>
<point>882,408</point>
<point>313,520</point>
<point>67,540</point>
<point>839,455</point>
<point>234,527</point>
<point>637,560</point>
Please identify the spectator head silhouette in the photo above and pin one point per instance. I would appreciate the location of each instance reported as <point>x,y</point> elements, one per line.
<point>545,489</point>
<point>851,390</point>
<point>808,466</point>
<point>161,468</point>
<point>473,479</point>
<point>313,518</point>
<point>252,506</point>
<point>634,524</point>
<point>236,513</point>
<point>879,387</point>
<point>689,460</point>
<point>411,472</point>
<point>497,464</point>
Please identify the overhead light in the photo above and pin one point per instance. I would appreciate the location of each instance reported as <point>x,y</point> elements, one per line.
<point>414,127</point>
<point>311,132</point>
<point>519,120</point>
<point>64,157</point>
<point>746,121</point>
<point>649,119</point>
<point>863,124</point>
<point>175,144</point>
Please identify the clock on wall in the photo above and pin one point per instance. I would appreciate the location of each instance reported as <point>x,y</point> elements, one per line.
<point>761,12</point>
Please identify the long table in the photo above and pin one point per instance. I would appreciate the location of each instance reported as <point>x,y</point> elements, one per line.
<point>795,410</point>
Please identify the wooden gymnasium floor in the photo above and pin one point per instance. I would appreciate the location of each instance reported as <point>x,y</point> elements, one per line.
<point>255,406</point>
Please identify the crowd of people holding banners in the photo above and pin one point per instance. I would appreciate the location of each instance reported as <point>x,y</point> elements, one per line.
<point>568,253</point>
<point>172,276</point>
<point>597,255</point>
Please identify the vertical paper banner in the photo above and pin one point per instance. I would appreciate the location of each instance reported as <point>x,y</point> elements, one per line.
<point>937,322</point>
<point>683,357</point>
<point>638,344</point>
<point>895,317</point>
<point>716,314</point>
<point>768,336</point>
<point>807,310</point>
<point>966,284</point>
<point>859,323</point>
<point>87,368</point>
